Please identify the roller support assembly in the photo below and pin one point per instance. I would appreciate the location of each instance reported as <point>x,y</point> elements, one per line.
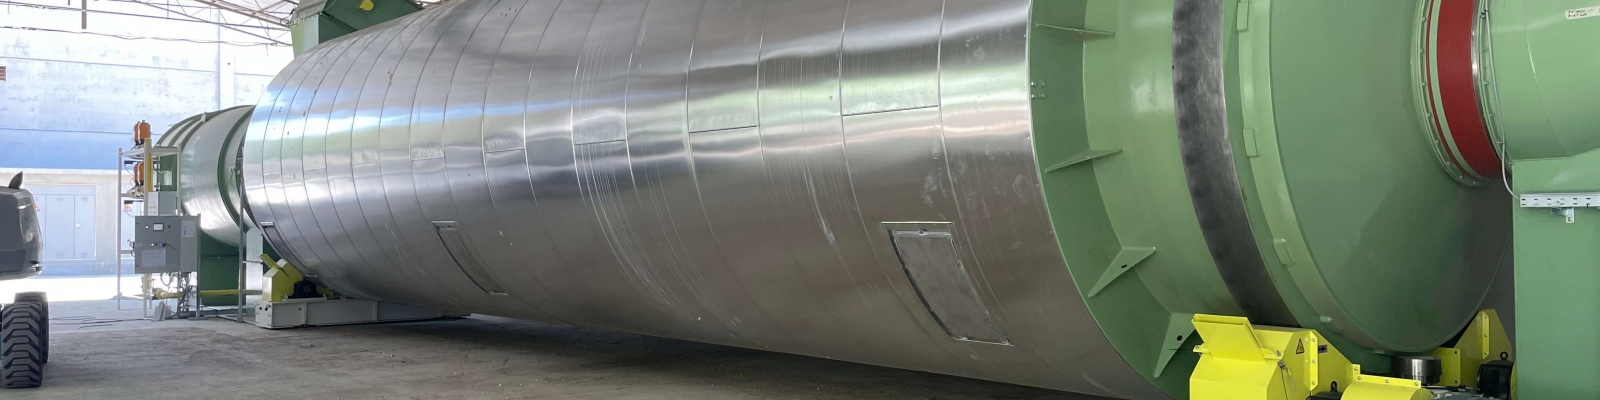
<point>1241,361</point>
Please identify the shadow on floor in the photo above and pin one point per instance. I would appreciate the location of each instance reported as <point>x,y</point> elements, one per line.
<point>475,358</point>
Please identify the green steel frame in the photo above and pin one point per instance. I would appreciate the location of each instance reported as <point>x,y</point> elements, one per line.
<point>1547,112</point>
<point>1111,180</point>
<point>317,21</point>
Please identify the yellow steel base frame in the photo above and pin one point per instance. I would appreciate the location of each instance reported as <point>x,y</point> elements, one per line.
<point>1485,340</point>
<point>1239,361</point>
<point>280,278</point>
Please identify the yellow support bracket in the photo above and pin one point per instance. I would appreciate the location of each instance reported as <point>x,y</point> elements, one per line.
<point>1240,361</point>
<point>280,279</point>
<point>1368,387</point>
<point>288,270</point>
<point>1485,340</point>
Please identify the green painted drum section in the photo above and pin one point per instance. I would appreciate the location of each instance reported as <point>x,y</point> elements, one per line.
<point>1546,77</point>
<point>1391,250</point>
<point>1252,127</point>
<point>1365,237</point>
<point>208,144</point>
<point>1107,147</point>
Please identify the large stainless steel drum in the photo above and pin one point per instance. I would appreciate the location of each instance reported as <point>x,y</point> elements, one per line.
<point>1036,192</point>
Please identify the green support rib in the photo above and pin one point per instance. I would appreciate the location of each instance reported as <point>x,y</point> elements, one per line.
<point>1121,264</point>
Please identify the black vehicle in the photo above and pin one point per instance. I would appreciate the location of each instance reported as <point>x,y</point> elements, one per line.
<point>25,323</point>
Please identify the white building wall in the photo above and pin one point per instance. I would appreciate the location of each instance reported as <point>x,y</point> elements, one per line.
<point>71,98</point>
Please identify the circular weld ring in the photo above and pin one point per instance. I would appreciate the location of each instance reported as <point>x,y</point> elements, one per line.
<point>1451,86</point>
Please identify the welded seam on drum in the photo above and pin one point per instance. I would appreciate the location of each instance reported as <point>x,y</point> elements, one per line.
<point>855,197</point>
<point>287,215</point>
<point>677,253</point>
<point>271,136</point>
<point>466,256</point>
<point>539,209</point>
<point>844,155</point>
<point>773,198</point>
<point>380,42</point>
<point>1200,107</point>
<point>894,109</point>
<point>366,266</point>
<point>414,116</point>
<point>401,45</point>
<point>571,130</point>
<point>331,75</point>
<point>399,263</point>
<point>694,180</point>
<point>483,134</point>
<point>256,168</point>
<point>758,105</point>
<point>359,268</point>
<point>705,213</point>
<point>623,241</point>
<point>949,171</point>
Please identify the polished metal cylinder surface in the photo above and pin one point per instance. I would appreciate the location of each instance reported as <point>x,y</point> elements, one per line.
<point>1425,369</point>
<point>844,179</point>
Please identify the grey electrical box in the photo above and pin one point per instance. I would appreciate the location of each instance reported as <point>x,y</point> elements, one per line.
<point>166,244</point>
<point>161,203</point>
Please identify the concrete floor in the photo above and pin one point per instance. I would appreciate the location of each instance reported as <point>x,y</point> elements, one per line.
<point>98,353</point>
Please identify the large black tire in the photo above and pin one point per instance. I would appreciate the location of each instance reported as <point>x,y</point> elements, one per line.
<point>22,345</point>
<point>44,304</point>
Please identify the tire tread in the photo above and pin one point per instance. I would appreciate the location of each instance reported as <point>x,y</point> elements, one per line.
<point>22,336</point>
